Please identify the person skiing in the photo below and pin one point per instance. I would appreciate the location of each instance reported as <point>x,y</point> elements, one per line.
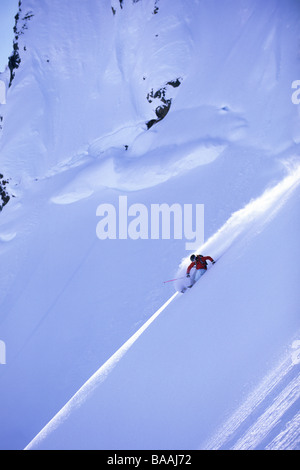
<point>200,263</point>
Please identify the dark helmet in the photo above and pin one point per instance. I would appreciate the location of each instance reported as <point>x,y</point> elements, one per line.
<point>192,258</point>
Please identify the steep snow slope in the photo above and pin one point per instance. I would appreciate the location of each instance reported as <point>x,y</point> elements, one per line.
<point>171,386</point>
<point>88,74</point>
<point>84,90</point>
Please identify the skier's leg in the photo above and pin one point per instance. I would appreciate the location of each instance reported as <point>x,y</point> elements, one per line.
<point>198,274</point>
<point>192,277</point>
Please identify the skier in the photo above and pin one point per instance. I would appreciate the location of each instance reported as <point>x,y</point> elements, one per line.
<point>200,263</point>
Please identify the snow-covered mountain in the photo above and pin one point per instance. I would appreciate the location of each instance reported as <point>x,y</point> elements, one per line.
<point>152,102</point>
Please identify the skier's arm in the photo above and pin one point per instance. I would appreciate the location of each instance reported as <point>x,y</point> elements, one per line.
<point>209,258</point>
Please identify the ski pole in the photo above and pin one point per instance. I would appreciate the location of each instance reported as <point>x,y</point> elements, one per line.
<point>171,280</point>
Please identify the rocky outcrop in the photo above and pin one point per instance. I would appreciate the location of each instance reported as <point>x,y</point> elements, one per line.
<point>164,102</point>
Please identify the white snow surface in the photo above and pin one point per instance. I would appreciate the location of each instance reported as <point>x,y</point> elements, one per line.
<point>100,352</point>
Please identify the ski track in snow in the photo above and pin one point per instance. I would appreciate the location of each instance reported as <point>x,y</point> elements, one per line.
<point>99,376</point>
<point>253,425</point>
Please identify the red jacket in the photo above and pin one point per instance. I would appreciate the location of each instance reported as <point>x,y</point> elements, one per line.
<point>200,263</point>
